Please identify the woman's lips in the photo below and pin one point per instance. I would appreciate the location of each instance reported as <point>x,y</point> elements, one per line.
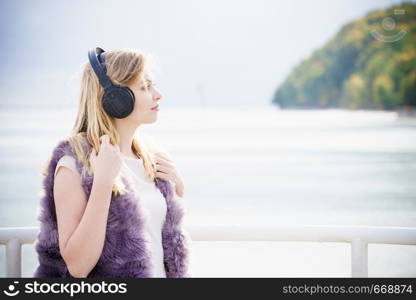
<point>155,108</point>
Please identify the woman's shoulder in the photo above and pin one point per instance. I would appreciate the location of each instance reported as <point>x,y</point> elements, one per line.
<point>68,151</point>
<point>66,161</point>
<point>67,145</point>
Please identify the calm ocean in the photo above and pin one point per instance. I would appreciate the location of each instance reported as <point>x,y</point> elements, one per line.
<point>252,166</point>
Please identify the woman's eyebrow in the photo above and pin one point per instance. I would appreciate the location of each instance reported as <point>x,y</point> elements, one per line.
<point>143,82</point>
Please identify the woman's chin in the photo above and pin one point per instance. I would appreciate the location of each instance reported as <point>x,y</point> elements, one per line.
<point>152,120</point>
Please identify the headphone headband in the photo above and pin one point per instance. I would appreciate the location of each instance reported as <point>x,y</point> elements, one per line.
<point>97,59</point>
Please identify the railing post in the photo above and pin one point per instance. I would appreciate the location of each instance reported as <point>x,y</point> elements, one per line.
<point>358,236</point>
<point>13,258</point>
<point>359,258</point>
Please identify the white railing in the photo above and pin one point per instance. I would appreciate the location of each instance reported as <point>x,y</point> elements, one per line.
<point>358,236</point>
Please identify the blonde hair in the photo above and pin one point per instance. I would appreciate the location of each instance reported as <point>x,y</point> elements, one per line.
<point>124,67</point>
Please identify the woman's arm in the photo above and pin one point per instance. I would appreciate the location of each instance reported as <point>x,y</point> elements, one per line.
<point>81,224</point>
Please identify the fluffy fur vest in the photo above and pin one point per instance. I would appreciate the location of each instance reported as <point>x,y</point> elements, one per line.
<point>124,253</point>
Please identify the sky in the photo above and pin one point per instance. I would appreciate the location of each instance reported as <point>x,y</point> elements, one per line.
<point>207,53</point>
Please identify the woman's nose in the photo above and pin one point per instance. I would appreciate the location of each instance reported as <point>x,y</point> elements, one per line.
<point>158,95</point>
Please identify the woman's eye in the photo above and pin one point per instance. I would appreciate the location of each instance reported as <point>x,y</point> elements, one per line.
<point>148,86</point>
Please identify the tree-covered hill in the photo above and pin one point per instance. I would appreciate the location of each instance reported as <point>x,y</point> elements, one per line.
<point>370,63</point>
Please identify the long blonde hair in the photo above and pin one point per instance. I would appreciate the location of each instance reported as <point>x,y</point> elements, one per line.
<point>124,67</point>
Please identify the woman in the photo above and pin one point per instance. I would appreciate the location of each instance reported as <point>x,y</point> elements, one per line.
<point>112,205</point>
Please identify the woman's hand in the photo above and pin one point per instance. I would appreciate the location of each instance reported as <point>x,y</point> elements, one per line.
<point>165,169</point>
<point>107,163</point>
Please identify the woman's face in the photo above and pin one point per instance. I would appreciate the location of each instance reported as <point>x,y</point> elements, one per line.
<point>146,97</point>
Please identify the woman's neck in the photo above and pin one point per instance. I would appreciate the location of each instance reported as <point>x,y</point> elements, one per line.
<point>126,133</point>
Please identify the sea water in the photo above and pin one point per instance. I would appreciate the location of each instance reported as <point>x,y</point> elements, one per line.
<point>251,165</point>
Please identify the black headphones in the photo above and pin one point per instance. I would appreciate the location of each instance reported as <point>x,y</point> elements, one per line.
<point>118,101</point>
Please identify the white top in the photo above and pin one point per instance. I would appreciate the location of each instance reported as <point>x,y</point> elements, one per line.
<point>153,204</point>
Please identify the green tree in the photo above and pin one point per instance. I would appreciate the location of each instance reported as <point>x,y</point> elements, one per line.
<point>357,69</point>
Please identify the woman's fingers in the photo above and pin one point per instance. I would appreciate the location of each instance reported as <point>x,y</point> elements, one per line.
<point>160,160</point>
<point>163,169</point>
<point>105,139</point>
<point>162,175</point>
<point>163,156</point>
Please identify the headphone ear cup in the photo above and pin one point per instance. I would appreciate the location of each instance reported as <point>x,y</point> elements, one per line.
<point>118,101</point>
<point>131,94</point>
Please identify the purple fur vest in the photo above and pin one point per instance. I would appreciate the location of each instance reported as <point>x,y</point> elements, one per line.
<point>124,253</point>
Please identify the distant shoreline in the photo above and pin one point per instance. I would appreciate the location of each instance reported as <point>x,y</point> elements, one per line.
<point>404,111</point>
<point>407,111</point>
